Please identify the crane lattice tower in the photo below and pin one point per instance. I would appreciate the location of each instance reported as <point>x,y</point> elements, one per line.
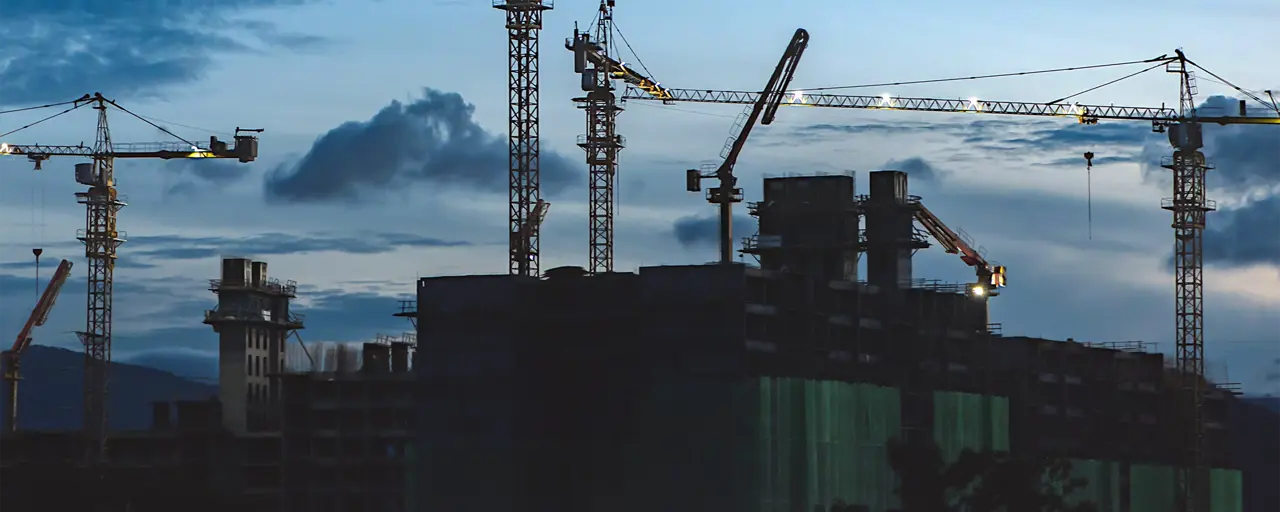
<point>602,144</point>
<point>524,22</point>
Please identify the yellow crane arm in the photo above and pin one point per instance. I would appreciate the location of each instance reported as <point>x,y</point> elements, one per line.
<point>586,51</point>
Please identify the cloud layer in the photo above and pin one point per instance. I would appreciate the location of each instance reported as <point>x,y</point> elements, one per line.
<point>1246,157</point>
<point>704,230</point>
<point>434,139</point>
<point>55,49</point>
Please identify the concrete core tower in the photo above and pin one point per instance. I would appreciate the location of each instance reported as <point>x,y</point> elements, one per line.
<point>253,323</point>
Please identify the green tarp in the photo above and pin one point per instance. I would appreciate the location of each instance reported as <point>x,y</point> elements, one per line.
<point>968,421</point>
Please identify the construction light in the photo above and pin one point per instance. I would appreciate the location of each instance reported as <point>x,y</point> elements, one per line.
<point>977,290</point>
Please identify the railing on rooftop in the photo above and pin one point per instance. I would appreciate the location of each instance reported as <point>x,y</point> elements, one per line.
<point>408,308</point>
<point>272,285</point>
<point>1126,346</point>
<point>937,285</point>
<point>246,314</point>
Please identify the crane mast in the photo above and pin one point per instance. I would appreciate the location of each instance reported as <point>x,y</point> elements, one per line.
<point>601,141</point>
<point>1189,206</point>
<point>524,22</point>
<point>11,359</point>
<point>101,238</point>
<point>763,109</point>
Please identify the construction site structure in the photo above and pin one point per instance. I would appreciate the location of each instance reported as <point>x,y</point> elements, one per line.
<point>791,382</point>
<point>345,430</point>
<point>524,23</point>
<point>102,238</point>
<point>254,321</point>
<point>11,360</point>
<point>726,193</point>
<point>1189,204</point>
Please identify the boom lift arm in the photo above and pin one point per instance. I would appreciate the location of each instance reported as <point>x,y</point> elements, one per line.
<point>991,277</point>
<point>766,105</point>
<point>12,358</point>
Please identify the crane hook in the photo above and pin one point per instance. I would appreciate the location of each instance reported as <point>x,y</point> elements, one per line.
<point>1088,159</point>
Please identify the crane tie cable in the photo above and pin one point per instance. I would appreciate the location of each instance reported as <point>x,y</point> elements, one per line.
<point>11,132</point>
<point>632,50</point>
<point>1161,60</point>
<point>153,125</point>
<point>37,107</point>
<point>1251,96</point>
<point>1096,87</point>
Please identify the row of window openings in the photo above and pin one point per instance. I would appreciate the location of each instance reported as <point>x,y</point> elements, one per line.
<point>259,366</point>
<point>260,340</point>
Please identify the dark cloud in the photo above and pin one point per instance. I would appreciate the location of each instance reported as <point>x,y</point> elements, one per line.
<point>192,248</point>
<point>434,139</point>
<point>58,49</point>
<point>704,230</point>
<point>917,168</point>
<point>1248,235</point>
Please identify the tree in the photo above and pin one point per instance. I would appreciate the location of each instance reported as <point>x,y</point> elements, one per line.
<point>982,481</point>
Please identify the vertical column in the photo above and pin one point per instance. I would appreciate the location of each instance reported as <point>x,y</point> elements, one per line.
<point>889,232</point>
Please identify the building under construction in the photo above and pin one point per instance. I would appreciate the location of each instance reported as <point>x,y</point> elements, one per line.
<point>330,435</point>
<point>778,388</point>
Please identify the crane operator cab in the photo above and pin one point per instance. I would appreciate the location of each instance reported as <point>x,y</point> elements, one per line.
<point>990,280</point>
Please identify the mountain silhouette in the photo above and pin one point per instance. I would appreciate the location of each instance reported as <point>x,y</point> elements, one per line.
<point>50,396</point>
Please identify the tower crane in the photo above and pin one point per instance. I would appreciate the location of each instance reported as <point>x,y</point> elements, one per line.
<point>1188,205</point>
<point>766,104</point>
<point>593,60</point>
<point>11,359</point>
<point>524,23</point>
<point>101,238</point>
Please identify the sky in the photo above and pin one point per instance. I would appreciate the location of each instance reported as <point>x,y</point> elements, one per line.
<point>384,151</point>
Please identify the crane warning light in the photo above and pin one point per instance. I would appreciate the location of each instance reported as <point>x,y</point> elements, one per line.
<point>886,100</point>
<point>797,97</point>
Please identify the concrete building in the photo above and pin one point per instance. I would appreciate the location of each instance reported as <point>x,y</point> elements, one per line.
<point>775,388</point>
<point>253,321</point>
<point>344,433</point>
